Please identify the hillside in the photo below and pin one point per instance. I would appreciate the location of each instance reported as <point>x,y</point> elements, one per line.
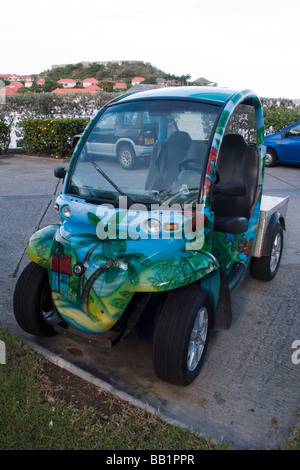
<point>113,71</point>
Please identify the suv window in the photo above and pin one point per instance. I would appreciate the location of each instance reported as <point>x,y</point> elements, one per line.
<point>108,122</point>
<point>130,119</point>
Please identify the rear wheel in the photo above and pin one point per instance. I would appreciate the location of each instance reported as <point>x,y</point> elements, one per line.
<point>33,304</point>
<point>266,267</point>
<point>126,156</point>
<point>181,335</point>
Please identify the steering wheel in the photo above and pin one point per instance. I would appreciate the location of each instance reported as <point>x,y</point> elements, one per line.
<point>190,164</point>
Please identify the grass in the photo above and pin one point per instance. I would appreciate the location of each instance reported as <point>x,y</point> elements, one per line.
<point>34,417</point>
<point>43,407</point>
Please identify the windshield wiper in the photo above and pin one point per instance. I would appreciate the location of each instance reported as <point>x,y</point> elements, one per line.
<point>108,178</point>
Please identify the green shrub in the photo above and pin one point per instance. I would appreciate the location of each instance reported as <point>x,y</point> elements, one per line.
<point>4,137</point>
<point>279,118</point>
<point>51,136</point>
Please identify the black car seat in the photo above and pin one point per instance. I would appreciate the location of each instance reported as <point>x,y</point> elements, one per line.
<point>191,167</point>
<point>238,162</point>
<point>166,156</point>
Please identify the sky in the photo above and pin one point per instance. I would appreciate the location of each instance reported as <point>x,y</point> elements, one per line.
<point>241,47</point>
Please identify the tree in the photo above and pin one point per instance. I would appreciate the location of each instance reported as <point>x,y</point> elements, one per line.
<point>50,85</point>
<point>107,85</point>
<point>150,79</point>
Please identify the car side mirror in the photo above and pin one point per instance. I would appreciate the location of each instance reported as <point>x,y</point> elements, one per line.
<point>60,172</point>
<point>232,188</point>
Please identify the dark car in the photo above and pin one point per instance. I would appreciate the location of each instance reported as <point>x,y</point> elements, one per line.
<point>127,136</point>
<point>284,146</point>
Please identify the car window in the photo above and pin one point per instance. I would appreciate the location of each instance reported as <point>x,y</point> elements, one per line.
<point>243,122</point>
<point>197,125</point>
<point>108,122</point>
<point>294,132</point>
<point>130,119</point>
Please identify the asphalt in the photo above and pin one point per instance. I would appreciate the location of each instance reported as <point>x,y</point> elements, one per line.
<point>247,393</point>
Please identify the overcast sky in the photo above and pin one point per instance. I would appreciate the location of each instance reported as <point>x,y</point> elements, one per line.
<point>240,47</point>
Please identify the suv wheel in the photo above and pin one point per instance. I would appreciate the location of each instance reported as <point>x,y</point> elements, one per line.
<point>126,156</point>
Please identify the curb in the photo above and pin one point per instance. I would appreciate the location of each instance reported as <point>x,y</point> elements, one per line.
<point>88,377</point>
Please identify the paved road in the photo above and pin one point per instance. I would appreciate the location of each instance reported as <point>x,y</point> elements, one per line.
<point>248,391</point>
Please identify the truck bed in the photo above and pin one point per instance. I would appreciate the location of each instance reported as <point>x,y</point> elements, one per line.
<point>269,206</point>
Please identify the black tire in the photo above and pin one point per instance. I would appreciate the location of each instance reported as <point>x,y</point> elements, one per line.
<point>271,158</point>
<point>126,156</point>
<point>33,300</point>
<point>183,328</point>
<point>266,267</point>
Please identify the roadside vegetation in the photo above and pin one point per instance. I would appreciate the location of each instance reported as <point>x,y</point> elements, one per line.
<point>43,407</point>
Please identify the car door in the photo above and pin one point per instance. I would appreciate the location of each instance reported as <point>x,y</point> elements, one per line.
<point>290,145</point>
<point>102,139</point>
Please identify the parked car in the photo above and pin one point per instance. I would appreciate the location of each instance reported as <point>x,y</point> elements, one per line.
<point>126,135</point>
<point>283,146</point>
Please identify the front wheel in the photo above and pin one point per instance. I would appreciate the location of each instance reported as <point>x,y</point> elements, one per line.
<point>266,267</point>
<point>181,335</point>
<point>271,158</point>
<point>32,303</point>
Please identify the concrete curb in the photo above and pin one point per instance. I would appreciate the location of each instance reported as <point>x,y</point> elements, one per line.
<point>77,371</point>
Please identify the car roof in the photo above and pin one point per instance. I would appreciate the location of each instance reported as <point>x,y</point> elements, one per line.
<point>217,95</point>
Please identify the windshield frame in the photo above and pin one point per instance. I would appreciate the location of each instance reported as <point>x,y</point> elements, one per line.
<point>117,103</point>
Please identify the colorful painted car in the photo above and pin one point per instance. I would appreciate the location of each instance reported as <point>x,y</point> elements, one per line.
<point>284,146</point>
<point>164,244</point>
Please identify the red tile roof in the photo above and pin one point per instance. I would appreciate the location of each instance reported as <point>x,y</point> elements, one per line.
<point>138,79</point>
<point>93,88</point>
<point>90,80</point>
<point>15,84</point>
<point>120,86</point>
<point>66,80</point>
<point>7,91</point>
<point>72,90</point>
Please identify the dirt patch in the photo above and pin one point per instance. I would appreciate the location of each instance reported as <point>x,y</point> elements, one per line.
<point>60,384</point>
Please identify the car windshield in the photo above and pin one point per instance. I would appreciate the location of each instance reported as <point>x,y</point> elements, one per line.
<point>150,151</point>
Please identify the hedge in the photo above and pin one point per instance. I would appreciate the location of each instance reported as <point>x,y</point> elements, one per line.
<point>50,136</point>
<point>4,137</point>
<point>277,119</point>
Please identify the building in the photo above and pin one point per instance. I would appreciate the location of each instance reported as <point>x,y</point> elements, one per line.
<point>7,91</point>
<point>67,82</point>
<point>137,80</point>
<point>120,86</point>
<point>89,81</point>
<point>15,85</point>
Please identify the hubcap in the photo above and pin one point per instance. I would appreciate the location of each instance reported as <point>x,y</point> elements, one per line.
<point>275,253</point>
<point>269,159</point>
<point>197,339</point>
<point>126,158</point>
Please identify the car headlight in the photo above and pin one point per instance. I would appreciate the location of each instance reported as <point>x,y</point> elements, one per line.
<point>66,211</point>
<point>153,226</point>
